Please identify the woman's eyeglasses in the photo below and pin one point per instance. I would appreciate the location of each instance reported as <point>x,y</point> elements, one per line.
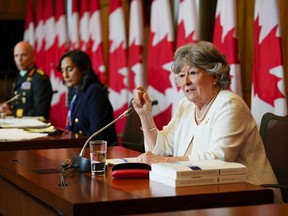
<point>181,77</point>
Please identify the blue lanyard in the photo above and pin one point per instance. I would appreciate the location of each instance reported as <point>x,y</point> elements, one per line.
<point>70,111</point>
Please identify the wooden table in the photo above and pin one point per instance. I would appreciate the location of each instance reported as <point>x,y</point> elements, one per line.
<point>64,140</point>
<point>261,210</point>
<point>23,191</point>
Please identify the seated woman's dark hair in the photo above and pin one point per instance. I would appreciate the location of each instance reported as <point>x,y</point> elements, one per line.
<point>84,65</point>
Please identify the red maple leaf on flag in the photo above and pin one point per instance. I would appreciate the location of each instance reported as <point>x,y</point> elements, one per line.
<point>181,39</point>
<point>119,57</point>
<point>159,55</point>
<point>98,67</point>
<point>267,56</point>
<point>134,58</point>
<point>229,46</point>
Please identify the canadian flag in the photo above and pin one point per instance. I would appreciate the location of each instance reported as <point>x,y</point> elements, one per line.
<point>187,32</point>
<point>226,41</point>
<point>39,35</point>
<point>136,43</point>
<point>61,31</point>
<point>74,30</point>
<point>84,26</point>
<point>118,70</point>
<point>29,24</point>
<point>187,23</point>
<point>49,50</point>
<point>161,81</point>
<point>96,40</point>
<point>268,86</point>
<point>49,37</point>
<point>58,112</point>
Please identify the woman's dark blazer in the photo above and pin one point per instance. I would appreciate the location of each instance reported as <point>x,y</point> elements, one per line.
<point>92,111</point>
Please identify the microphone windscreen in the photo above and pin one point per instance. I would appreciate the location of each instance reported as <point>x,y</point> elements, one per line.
<point>154,102</point>
<point>131,109</point>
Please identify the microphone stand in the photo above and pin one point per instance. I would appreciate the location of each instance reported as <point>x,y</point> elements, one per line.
<point>10,100</point>
<point>84,164</point>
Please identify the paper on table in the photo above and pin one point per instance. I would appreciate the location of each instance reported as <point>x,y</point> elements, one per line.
<point>8,134</point>
<point>22,123</point>
<point>121,160</point>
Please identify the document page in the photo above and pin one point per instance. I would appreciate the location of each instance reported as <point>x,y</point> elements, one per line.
<point>13,134</point>
<point>24,122</point>
<point>121,160</point>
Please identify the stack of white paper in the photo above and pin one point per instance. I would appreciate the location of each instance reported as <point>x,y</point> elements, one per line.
<point>13,134</point>
<point>204,172</point>
<point>22,123</point>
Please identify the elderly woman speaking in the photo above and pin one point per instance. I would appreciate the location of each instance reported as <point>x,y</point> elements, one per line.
<point>211,122</point>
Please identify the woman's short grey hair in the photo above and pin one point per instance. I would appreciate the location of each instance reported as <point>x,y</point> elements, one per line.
<point>205,55</point>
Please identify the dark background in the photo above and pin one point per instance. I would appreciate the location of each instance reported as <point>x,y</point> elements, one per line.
<point>11,31</point>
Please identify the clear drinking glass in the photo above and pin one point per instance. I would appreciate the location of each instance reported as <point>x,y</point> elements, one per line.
<point>98,150</point>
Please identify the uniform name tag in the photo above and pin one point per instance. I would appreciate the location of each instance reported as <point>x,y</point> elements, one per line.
<point>26,85</point>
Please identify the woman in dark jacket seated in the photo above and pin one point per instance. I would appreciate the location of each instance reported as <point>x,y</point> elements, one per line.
<point>89,105</point>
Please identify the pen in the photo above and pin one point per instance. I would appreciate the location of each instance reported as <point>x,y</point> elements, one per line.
<point>125,160</point>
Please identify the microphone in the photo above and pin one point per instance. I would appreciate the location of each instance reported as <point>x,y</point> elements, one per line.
<point>78,161</point>
<point>11,99</point>
<point>154,102</point>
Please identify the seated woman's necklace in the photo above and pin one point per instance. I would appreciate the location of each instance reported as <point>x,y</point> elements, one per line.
<point>200,119</point>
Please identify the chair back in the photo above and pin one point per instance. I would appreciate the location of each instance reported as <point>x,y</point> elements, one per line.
<point>274,133</point>
<point>132,137</point>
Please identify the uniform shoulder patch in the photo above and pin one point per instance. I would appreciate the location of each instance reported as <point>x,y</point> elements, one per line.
<point>41,72</point>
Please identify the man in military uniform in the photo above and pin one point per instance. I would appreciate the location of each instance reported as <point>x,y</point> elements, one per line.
<point>31,84</point>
